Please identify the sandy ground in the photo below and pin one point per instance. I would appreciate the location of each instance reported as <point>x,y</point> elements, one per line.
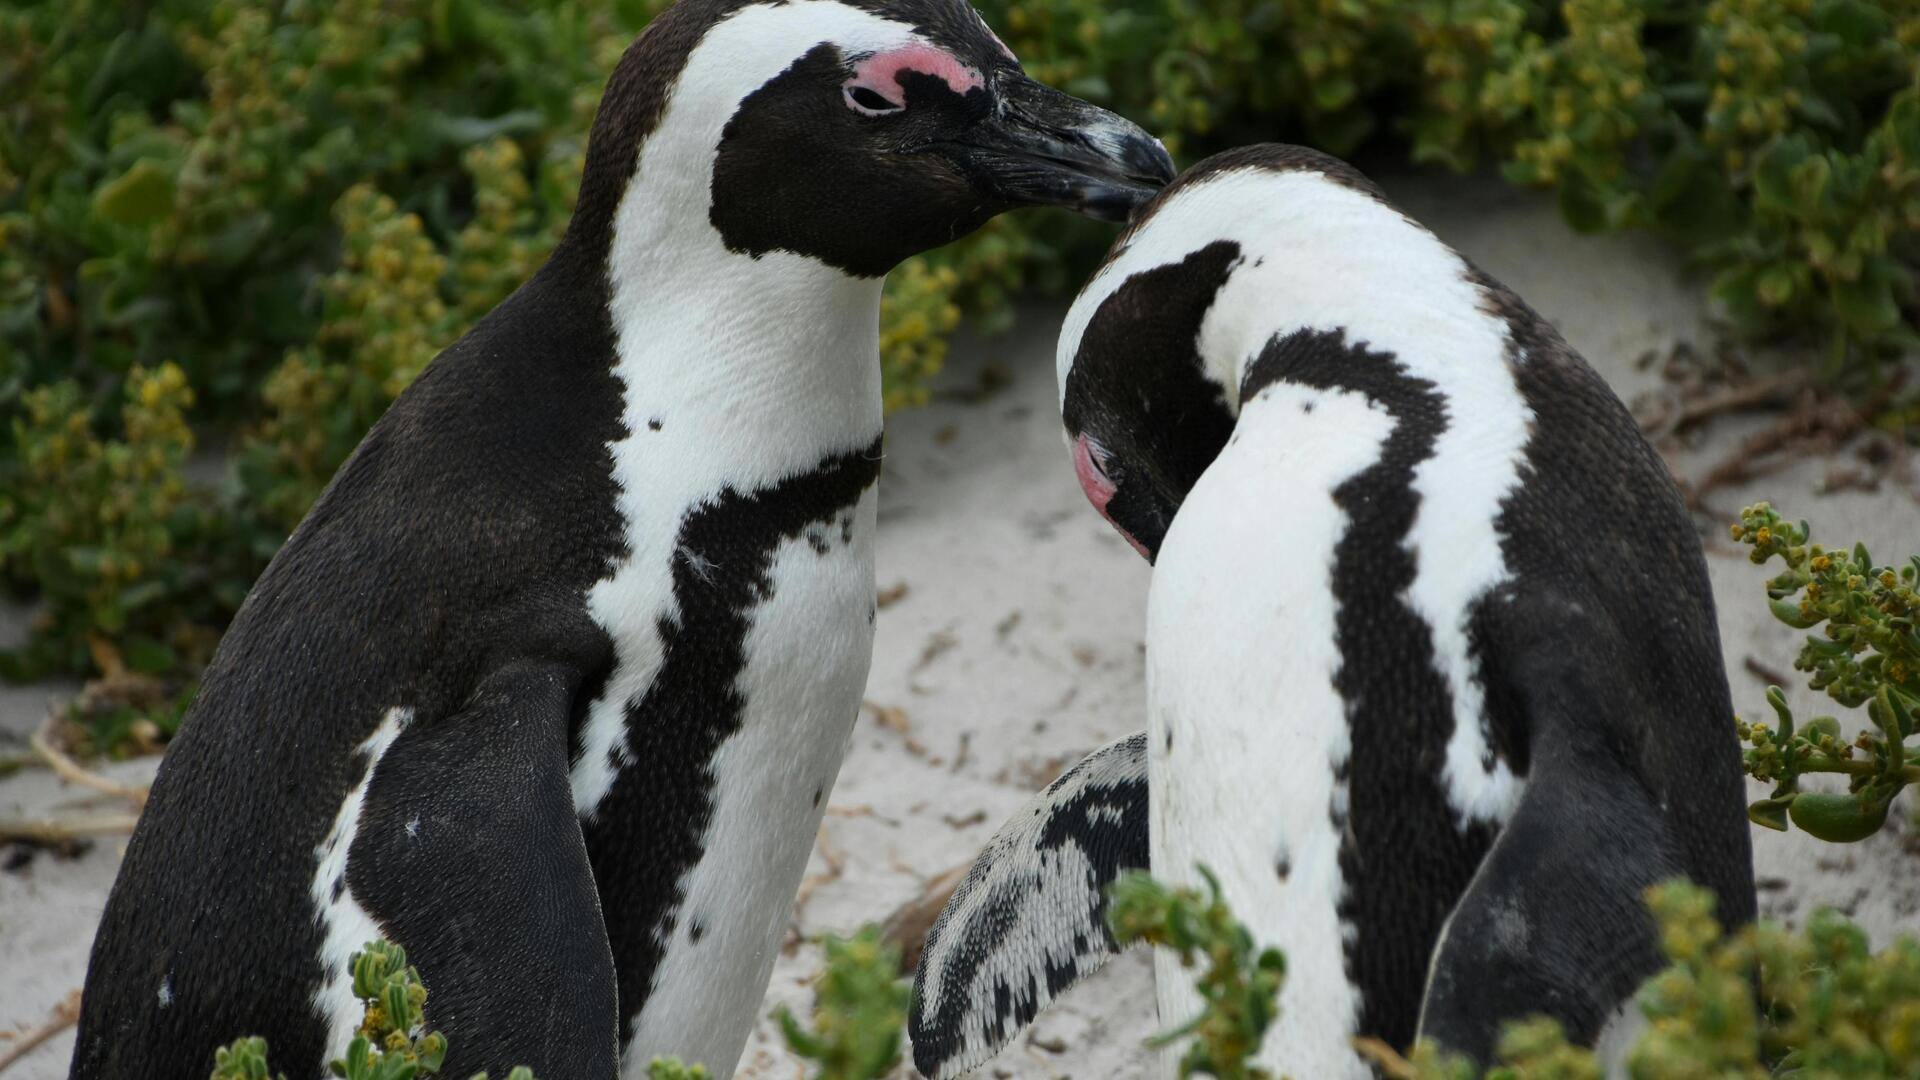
<point>1013,646</point>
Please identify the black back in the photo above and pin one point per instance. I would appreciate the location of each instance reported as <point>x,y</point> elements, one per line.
<point>459,537</point>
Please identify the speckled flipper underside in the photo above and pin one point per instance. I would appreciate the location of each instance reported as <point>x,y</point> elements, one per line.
<point>1029,919</point>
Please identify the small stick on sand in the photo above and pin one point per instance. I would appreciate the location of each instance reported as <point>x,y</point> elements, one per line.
<point>1754,665</point>
<point>71,771</point>
<point>65,1015</point>
<point>906,929</point>
<point>1384,1058</point>
<point>46,831</point>
<point>835,867</point>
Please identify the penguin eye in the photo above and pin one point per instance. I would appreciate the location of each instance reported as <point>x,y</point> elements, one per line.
<point>1097,457</point>
<point>862,99</point>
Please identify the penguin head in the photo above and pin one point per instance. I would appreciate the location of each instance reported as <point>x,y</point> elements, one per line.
<point>1149,369</point>
<point>854,132</point>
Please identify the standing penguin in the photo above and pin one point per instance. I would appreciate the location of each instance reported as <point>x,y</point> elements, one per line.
<point>552,684</point>
<point>1434,681</point>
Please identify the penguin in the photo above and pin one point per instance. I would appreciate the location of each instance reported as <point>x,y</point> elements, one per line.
<point>1433,674</point>
<point>552,684</point>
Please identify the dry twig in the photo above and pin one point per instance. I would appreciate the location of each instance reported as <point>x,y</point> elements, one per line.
<point>835,867</point>
<point>1384,1058</point>
<point>906,929</point>
<point>49,832</point>
<point>64,1015</point>
<point>73,773</point>
<point>1761,670</point>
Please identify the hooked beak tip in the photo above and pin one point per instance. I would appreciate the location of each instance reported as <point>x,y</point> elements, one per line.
<point>1047,148</point>
<point>1124,167</point>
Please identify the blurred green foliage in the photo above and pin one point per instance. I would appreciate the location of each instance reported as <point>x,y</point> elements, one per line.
<point>857,1029</point>
<point>859,1011</point>
<point>249,223</point>
<point>274,212</point>
<point>1863,648</point>
<point>1239,982</point>
<point>1826,1005</point>
<point>1763,1002</point>
<point>244,1059</point>
<point>672,1068</point>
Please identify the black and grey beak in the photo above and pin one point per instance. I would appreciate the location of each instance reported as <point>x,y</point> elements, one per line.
<point>1041,147</point>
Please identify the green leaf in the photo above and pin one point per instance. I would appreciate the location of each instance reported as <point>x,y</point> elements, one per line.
<point>1769,813</point>
<point>1836,817</point>
<point>1776,285</point>
<point>1582,206</point>
<point>470,130</point>
<point>87,560</point>
<point>1777,700</point>
<point>1893,716</point>
<point>141,196</point>
<point>1813,109</point>
<point>358,1051</point>
<point>1868,306</point>
<point>147,656</point>
<point>1773,176</point>
<point>1789,612</point>
<point>1858,24</point>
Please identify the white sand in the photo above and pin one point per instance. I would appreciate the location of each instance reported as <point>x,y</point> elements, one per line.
<point>1017,648</point>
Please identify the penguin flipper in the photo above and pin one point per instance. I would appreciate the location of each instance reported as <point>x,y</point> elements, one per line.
<point>470,855</point>
<point>1029,919</point>
<point>1554,921</point>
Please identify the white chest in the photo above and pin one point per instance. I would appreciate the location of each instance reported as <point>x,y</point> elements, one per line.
<point>1246,731</point>
<point>741,377</point>
<point>807,649</point>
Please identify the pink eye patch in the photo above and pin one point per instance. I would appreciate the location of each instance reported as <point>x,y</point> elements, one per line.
<point>1100,488</point>
<point>880,74</point>
<point>1093,479</point>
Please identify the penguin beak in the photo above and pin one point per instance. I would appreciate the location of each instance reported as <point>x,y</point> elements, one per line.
<point>1041,147</point>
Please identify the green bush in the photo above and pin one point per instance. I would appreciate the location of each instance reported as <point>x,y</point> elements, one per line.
<point>859,1012</point>
<point>281,208</point>
<point>1863,648</point>
<point>1827,1005</point>
<point>1239,986</point>
<point>293,204</point>
<point>392,1043</point>
<point>858,1027</point>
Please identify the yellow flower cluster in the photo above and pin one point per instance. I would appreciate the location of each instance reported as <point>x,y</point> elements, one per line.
<point>101,509</point>
<point>1585,96</point>
<point>1758,65</point>
<point>385,319</point>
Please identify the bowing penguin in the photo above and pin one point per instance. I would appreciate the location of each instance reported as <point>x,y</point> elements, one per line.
<point>1434,680</point>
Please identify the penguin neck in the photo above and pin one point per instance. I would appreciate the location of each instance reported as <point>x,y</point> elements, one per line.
<point>765,363</point>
